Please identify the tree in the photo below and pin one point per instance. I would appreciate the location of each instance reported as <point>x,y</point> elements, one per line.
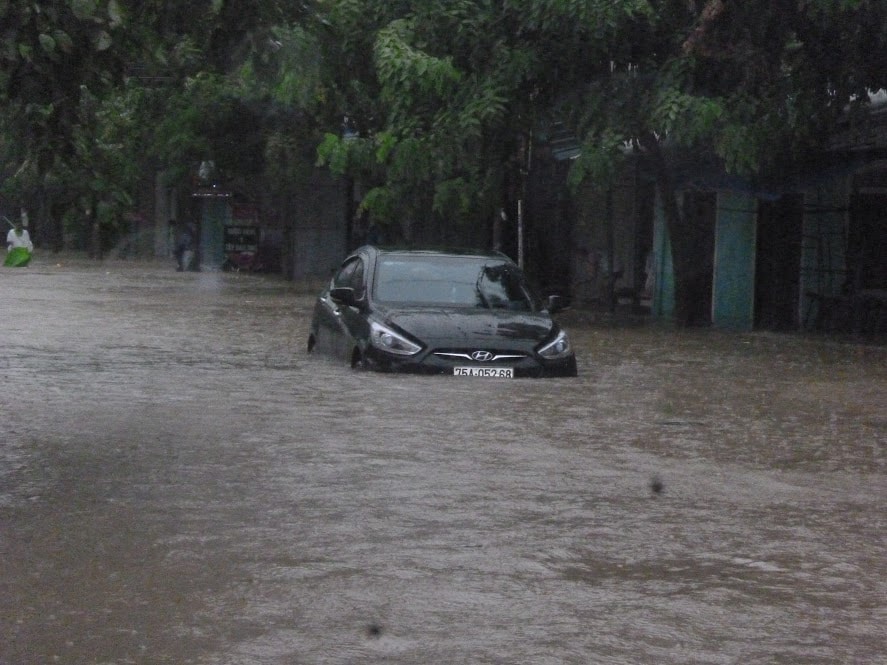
<point>54,55</point>
<point>753,85</point>
<point>456,90</point>
<point>441,98</point>
<point>67,64</point>
<point>758,85</point>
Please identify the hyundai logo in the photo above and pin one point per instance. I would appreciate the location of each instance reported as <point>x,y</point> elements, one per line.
<point>482,356</point>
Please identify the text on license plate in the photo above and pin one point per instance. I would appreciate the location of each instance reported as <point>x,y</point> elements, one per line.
<point>489,372</point>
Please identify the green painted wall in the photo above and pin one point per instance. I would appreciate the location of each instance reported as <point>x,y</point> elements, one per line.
<point>733,290</point>
<point>216,213</point>
<point>662,306</point>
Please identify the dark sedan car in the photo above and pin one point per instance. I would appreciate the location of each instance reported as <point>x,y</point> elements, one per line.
<point>465,313</point>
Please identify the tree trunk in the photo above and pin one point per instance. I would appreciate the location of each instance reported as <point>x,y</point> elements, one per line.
<point>611,252</point>
<point>681,241</point>
<point>351,239</point>
<point>95,233</point>
<point>287,257</point>
<point>52,225</point>
<point>498,220</point>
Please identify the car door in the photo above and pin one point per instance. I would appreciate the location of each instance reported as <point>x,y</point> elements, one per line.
<point>333,334</point>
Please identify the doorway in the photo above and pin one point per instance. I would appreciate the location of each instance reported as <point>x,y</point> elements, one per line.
<point>778,263</point>
<point>700,211</point>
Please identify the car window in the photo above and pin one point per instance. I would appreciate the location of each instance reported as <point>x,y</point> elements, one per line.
<point>503,287</point>
<point>456,281</point>
<point>356,279</point>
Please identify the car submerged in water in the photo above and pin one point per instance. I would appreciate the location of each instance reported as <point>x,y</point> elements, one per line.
<point>463,313</point>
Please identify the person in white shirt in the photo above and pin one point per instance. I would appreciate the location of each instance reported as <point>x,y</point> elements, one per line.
<point>18,237</point>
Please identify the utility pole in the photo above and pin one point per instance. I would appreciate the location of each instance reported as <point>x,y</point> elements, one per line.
<point>611,252</point>
<point>526,163</point>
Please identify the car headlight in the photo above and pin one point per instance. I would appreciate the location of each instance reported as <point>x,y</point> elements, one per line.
<point>385,339</point>
<point>557,348</point>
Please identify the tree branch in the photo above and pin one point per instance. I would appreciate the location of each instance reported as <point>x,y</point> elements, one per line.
<point>710,14</point>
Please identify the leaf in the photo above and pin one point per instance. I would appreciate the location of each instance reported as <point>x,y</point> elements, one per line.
<point>83,9</point>
<point>386,143</point>
<point>64,41</point>
<point>380,202</point>
<point>102,41</point>
<point>47,42</point>
<point>115,13</point>
<point>599,160</point>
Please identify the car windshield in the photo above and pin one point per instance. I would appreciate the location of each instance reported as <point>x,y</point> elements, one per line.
<point>454,281</point>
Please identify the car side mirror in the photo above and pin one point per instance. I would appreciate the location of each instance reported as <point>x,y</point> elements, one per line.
<point>343,295</point>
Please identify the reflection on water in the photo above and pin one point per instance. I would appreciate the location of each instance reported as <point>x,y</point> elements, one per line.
<point>182,483</point>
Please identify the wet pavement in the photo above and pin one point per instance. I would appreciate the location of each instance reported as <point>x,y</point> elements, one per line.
<point>181,483</point>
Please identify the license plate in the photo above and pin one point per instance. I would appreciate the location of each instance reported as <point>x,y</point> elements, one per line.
<point>486,372</point>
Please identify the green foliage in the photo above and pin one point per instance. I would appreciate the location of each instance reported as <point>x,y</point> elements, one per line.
<point>298,76</point>
<point>382,203</point>
<point>333,152</point>
<point>50,53</point>
<point>599,160</point>
<point>739,146</point>
<point>94,93</point>
<point>460,84</point>
<point>687,119</point>
<point>442,95</point>
<point>597,17</point>
<point>454,198</point>
<point>405,69</point>
<point>198,127</point>
<point>60,62</point>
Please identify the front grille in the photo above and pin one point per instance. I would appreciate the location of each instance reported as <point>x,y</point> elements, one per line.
<point>485,357</point>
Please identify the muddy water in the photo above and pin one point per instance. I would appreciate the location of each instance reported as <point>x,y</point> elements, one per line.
<point>181,483</point>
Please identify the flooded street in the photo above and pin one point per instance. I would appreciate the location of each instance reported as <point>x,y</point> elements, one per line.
<point>181,483</point>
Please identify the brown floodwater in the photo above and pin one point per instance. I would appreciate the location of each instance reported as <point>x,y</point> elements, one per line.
<point>181,483</point>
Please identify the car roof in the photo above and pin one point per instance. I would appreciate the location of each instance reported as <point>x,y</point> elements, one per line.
<point>440,251</point>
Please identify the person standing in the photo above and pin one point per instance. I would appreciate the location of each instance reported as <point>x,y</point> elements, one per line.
<point>18,246</point>
<point>185,247</point>
<point>18,237</point>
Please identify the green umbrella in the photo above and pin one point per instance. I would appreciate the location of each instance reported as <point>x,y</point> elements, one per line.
<point>17,257</point>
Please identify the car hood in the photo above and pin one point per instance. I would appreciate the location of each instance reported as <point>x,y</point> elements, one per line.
<point>473,327</point>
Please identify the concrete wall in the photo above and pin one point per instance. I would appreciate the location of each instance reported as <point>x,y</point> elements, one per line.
<point>317,240</point>
<point>632,238</point>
